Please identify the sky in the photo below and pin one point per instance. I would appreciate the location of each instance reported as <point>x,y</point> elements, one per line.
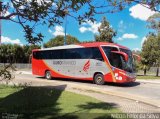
<point>130,25</point>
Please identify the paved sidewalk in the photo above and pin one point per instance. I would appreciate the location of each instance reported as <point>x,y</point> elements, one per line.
<point>126,105</point>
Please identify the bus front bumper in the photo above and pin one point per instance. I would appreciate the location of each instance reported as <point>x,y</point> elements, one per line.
<point>130,77</point>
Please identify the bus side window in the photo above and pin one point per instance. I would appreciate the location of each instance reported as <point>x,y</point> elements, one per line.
<point>86,53</point>
<point>71,54</point>
<point>35,55</point>
<point>55,54</point>
<point>97,54</point>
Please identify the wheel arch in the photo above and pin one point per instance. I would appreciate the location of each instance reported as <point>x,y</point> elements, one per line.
<point>46,71</point>
<point>95,79</point>
<point>99,72</point>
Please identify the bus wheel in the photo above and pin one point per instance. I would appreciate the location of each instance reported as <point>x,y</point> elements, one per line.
<point>48,75</point>
<point>99,79</point>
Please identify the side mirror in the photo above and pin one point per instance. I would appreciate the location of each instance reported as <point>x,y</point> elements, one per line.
<point>123,54</point>
<point>137,57</point>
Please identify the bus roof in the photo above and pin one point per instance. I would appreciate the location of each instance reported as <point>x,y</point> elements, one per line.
<point>94,44</point>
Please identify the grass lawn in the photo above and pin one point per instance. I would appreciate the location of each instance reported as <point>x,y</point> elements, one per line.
<point>148,77</point>
<point>47,102</point>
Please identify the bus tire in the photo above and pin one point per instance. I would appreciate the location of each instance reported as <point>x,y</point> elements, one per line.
<point>99,79</point>
<point>48,75</point>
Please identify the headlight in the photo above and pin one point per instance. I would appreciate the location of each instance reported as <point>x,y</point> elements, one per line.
<point>131,75</point>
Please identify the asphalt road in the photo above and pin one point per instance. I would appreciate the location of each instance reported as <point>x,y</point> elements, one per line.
<point>140,90</point>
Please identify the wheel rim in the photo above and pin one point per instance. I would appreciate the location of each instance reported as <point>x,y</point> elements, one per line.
<point>48,76</point>
<point>99,79</point>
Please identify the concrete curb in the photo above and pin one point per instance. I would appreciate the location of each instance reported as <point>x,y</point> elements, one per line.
<point>155,81</point>
<point>139,99</point>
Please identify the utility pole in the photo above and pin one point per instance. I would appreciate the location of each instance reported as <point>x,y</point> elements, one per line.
<point>0,22</point>
<point>65,29</point>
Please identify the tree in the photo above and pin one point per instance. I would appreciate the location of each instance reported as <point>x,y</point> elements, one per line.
<point>137,59</point>
<point>18,54</point>
<point>27,51</point>
<point>59,40</point>
<point>106,32</point>
<point>15,53</point>
<point>151,51</point>
<point>30,13</point>
<point>154,22</point>
<point>91,41</point>
<point>6,53</point>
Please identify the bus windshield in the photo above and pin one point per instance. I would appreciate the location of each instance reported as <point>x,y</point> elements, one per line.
<point>118,61</point>
<point>130,64</point>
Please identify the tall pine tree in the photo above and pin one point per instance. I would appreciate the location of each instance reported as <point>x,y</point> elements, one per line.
<point>106,32</point>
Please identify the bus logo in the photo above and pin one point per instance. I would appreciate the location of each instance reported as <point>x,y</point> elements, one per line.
<point>86,66</point>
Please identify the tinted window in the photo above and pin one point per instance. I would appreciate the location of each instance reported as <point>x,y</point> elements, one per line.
<point>56,54</point>
<point>97,54</point>
<point>77,53</point>
<point>48,54</point>
<point>114,59</point>
<point>108,50</point>
<point>129,65</point>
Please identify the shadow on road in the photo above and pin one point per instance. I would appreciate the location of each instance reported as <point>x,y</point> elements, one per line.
<point>70,80</point>
<point>101,105</point>
<point>98,115</point>
<point>130,84</point>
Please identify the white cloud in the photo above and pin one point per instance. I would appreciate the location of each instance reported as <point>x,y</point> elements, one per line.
<point>136,49</point>
<point>120,38</point>
<point>121,26</point>
<point>141,12</point>
<point>58,30</point>
<point>50,31</point>
<point>7,40</point>
<point>143,39</point>
<point>83,29</point>
<point>40,2</point>
<point>54,5</point>
<point>90,26</point>
<point>127,36</point>
<point>8,13</point>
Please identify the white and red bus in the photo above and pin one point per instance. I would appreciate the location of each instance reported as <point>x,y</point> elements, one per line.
<point>99,61</point>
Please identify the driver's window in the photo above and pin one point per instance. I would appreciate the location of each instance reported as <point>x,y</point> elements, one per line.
<point>116,60</point>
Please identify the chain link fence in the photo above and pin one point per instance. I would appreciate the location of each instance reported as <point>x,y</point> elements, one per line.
<point>151,71</point>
